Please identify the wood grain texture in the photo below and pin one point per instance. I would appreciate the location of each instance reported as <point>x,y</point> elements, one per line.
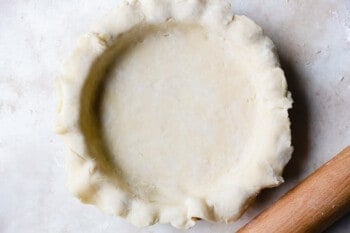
<point>311,206</point>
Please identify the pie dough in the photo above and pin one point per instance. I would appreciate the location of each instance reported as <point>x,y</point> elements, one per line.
<point>174,111</point>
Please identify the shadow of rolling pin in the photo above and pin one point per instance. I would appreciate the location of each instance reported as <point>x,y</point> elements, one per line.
<point>311,206</point>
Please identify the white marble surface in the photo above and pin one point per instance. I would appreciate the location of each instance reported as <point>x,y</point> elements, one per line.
<point>312,37</point>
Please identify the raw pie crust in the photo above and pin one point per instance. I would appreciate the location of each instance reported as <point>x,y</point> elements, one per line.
<point>174,111</point>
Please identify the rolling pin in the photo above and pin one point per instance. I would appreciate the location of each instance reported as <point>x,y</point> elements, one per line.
<point>311,206</point>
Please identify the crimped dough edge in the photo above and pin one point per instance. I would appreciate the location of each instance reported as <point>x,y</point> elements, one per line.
<point>93,183</point>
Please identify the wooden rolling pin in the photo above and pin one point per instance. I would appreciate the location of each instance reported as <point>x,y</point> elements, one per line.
<point>311,206</point>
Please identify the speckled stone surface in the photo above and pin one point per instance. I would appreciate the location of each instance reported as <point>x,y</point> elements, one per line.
<point>313,41</point>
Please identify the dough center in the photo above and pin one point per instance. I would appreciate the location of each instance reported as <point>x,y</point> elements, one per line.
<point>177,111</point>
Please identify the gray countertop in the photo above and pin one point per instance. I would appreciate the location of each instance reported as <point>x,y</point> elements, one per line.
<point>313,41</point>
